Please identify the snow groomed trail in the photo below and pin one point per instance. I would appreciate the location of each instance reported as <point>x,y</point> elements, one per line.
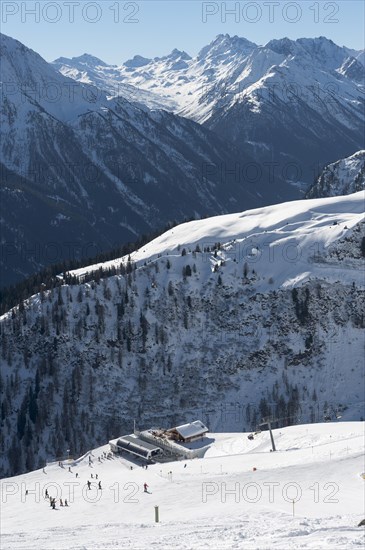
<point>218,501</point>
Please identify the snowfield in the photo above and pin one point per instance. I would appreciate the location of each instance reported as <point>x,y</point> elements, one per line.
<point>287,241</point>
<point>218,501</point>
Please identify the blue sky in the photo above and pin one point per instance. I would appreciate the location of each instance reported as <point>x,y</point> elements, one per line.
<point>116,30</point>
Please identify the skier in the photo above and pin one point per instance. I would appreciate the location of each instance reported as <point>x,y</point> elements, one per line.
<point>26,492</point>
<point>145,487</point>
<point>100,485</point>
<point>96,476</point>
<point>66,503</point>
<point>46,494</point>
<point>77,475</point>
<point>89,485</point>
<point>54,504</point>
<point>61,502</point>
<point>92,476</point>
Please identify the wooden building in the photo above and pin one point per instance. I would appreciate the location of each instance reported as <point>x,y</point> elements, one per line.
<point>188,432</point>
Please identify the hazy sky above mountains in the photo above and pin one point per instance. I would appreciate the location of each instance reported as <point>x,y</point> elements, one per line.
<point>116,30</point>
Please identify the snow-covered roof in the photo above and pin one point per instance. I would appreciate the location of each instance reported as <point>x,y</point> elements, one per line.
<point>192,429</point>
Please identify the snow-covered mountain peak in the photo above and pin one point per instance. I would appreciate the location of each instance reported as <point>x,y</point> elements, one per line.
<point>40,85</point>
<point>176,54</point>
<point>319,44</point>
<point>136,62</point>
<point>324,51</point>
<point>89,60</point>
<point>321,51</point>
<point>282,46</point>
<point>226,46</point>
<point>176,60</point>
<point>22,63</point>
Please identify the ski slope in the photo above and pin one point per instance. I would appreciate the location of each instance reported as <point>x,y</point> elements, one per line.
<point>218,501</point>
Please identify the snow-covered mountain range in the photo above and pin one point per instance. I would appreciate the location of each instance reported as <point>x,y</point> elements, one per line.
<point>343,177</point>
<point>88,172</point>
<point>289,101</point>
<point>226,319</point>
<point>230,68</point>
<point>89,159</point>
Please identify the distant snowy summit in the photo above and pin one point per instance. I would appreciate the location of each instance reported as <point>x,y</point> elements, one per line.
<point>295,101</point>
<point>343,177</point>
<point>137,61</point>
<point>85,59</point>
<point>229,62</point>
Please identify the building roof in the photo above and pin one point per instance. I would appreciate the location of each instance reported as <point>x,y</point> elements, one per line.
<point>192,429</point>
<point>136,442</point>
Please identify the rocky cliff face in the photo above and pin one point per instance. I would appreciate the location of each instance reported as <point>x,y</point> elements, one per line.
<point>343,177</point>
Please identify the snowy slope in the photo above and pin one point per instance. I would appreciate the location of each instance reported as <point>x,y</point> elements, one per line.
<point>216,502</point>
<point>343,177</point>
<point>284,241</point>
<point>91,70</point>
<point>226,319</point>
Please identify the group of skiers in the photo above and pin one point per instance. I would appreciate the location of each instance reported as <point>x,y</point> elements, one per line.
<point>104,456</point>
<point>89,484</point>
<point>52,501</point>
